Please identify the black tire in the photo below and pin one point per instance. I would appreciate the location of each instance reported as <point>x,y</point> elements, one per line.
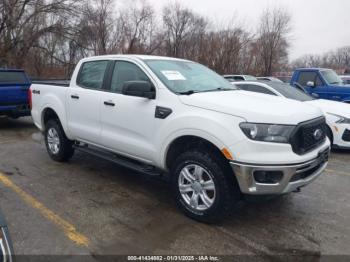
<point>66,150</point>
<point>227,194</point>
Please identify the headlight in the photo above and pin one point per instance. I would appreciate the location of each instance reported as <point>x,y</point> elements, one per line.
<point>340,119</point>
<point>267,133</point>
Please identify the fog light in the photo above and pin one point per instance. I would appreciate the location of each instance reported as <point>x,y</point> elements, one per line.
<point>268,177</point>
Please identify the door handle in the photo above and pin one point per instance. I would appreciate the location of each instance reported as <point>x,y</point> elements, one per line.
<point>109,103</point>
<point>74,96</point>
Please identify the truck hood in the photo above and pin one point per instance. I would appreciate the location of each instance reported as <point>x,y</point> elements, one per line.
<point>254,107</point>
<point>333,107</point>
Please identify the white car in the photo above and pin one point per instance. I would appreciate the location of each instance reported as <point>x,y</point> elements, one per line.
<point>234,78</point>
<point>346,79</point>
<point>337,113</point>
<point>269,78</point>
<point>161,115</point>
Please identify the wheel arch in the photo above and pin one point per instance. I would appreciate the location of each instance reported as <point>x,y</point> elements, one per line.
<point>185,142</point>
<point>48,113</point>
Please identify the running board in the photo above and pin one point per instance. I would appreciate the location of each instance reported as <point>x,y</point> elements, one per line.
<point>119,160</point>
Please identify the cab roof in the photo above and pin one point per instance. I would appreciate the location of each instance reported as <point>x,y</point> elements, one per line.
<point>140,57</point>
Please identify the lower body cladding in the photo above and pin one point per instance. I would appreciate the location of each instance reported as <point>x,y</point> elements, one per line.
<point>278,179</point>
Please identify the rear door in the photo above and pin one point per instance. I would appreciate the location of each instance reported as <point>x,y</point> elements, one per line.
<point>128,122</point>
<point>320,88</point>
<point>14,87</point>
<point>84,102</point>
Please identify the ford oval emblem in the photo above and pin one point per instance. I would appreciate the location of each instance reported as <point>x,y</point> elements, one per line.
<point>318,134</point>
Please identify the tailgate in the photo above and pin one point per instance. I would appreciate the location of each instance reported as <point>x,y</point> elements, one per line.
<point>14,87</point>
<point>13,94</point>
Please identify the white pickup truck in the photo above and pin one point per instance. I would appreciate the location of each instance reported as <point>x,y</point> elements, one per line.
<point>160,115</point>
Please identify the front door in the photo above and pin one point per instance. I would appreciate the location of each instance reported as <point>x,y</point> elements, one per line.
<point>128,122</point>
<point>319,89</point>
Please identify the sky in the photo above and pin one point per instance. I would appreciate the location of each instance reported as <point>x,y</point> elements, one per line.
<point>318,26</point>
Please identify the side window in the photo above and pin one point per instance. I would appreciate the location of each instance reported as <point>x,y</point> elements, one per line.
<point>318,81</point>
<point>230,79</point>
<point>124,72</point>
<point>238,78</point>
<point>305,77</point>
<point>256,89</point>
<point>91,74</point>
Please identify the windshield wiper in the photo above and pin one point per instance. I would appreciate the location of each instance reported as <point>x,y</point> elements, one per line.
<point>220,89</point>
<point>189,92</point>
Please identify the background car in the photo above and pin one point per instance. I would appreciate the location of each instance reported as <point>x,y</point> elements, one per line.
<point>233,78</point>
<point>325,83</point>
<point>337,113</point>
<point>269,78</point>
<point>6,250</point>
<point>14,86</point>
<point>346,79</point>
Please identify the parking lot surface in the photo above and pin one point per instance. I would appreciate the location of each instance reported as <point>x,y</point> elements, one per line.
<point>93,207</point>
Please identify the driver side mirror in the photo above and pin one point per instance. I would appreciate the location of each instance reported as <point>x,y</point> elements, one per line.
<point>140,89</point>
<point>310,84</point>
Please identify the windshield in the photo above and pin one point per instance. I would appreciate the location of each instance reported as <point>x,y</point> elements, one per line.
<point>184,76</point>
<point>290,92</point>
<point>331,77</point>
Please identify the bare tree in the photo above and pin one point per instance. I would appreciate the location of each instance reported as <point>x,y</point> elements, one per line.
<point>180,23</point>
<point>24,22</point>
<point>272,39</point>
<point>139,28</point>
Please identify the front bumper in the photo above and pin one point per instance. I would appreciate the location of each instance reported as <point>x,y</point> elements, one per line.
<point>341,136</point>
<point>294,176</point>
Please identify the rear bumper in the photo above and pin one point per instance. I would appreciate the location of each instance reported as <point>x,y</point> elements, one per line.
<point>292,176</point>
<point>15,110</point>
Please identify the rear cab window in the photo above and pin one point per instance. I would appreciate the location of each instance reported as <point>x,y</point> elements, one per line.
<point>92,74</point>
<point>13,77</point>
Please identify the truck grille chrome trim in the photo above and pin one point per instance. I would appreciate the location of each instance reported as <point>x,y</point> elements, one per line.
<point>294,176</point>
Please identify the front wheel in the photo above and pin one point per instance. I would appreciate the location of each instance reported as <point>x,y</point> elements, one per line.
<point>58,146</point>
<point>203,186</point>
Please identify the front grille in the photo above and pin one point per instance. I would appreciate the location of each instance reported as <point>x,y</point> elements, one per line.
<point>308,135</point>
<point>346,135</point>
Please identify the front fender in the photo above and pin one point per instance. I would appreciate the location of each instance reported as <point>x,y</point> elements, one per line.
<point>220,130</point>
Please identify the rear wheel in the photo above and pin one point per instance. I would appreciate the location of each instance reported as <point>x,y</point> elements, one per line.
<point>59,147</point>
<point>203,187</point>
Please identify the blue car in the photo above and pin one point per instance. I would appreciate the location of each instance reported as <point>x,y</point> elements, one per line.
<point>14,87</point>
<point>322,83</point>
